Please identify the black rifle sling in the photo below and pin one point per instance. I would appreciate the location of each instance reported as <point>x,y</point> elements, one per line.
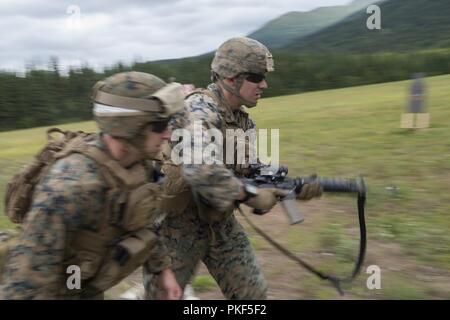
<point>336,281</point>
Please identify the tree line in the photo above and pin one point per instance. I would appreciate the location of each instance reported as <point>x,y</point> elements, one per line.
<point>45,97</point>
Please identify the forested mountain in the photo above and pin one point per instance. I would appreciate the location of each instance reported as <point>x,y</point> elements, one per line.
<point>294,25</point>
<point>406,25</point>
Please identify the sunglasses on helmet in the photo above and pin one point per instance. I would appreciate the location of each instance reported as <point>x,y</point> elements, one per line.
<point>254,77</point>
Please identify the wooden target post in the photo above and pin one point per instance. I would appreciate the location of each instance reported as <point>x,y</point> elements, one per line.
<point>416,117</point>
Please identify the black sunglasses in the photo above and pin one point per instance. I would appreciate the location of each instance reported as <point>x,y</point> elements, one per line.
<point>160,126</point>
<point>254,77</point>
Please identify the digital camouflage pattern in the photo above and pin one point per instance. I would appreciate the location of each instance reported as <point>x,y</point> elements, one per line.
<point>68,201</point>
<point>216,184</point>
<point>129,123</point>
<point>131,84</point>
<point>223,247</point>
<point>242,55</point>
<point>213,236</point>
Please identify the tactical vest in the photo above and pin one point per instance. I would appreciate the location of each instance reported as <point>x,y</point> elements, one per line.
<point>177,193</point>
<point>234,121</point>
<point>122,238</point>
<point>180,192</point>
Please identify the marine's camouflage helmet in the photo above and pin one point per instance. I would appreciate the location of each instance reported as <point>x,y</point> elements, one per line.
<point>242,55</point>
<point>126,102</point>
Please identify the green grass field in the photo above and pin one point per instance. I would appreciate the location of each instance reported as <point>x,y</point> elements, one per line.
<point>347,132</point>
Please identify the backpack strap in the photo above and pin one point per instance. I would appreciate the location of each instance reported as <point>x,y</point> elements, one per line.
<point>204,91</point>
<point>79,145</point>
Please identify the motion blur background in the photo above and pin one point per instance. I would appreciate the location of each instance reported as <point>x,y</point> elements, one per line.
<point>337,96</point>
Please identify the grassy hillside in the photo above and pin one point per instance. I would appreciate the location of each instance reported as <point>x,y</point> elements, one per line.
<point>293,25</point>
<point>406,25</point>
<point>345,132</point>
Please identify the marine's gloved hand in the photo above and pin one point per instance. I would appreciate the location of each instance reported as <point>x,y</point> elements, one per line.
<point>310,190</point>
<point>266,198</point>
<point>168,288</point>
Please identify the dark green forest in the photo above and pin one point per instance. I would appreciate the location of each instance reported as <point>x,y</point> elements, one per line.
<point>46,97</point>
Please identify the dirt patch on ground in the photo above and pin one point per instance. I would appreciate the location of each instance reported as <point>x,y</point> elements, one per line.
<point>402,276</point>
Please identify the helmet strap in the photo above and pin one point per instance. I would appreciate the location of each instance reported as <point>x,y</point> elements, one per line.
<point>235,91</point>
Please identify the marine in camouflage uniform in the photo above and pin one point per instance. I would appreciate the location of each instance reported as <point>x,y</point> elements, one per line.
<point>76,216</point>
<point>207,229</point>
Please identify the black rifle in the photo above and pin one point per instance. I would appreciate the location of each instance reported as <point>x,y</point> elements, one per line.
<point>263,176</point>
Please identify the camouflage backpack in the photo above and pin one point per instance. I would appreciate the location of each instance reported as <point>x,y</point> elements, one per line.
<point>19,191</point>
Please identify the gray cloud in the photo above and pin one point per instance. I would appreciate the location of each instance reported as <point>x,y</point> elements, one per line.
<point>108,31</point>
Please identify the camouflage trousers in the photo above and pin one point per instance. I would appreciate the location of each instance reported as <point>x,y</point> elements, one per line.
<point>222,246</point>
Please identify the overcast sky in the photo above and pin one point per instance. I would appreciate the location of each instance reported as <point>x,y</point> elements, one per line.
<point>103,32</point>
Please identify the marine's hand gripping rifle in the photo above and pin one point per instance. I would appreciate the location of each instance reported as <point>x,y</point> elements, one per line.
<point>266,177</point>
